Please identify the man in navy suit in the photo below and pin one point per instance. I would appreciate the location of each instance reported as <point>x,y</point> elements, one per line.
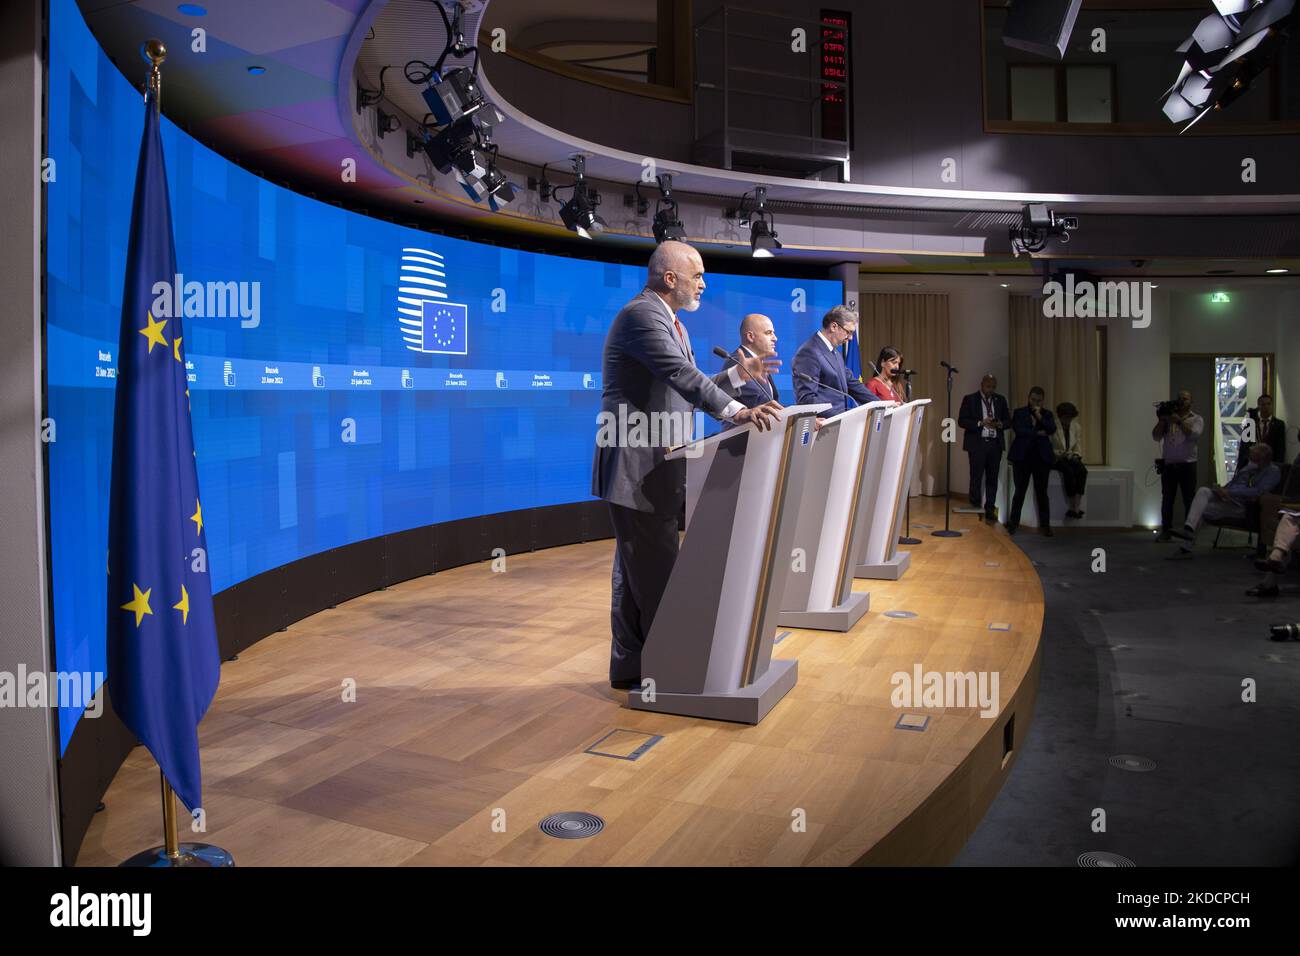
<point>820,360</point>
<point>757,340</point>
<point>984,415</point>
<point>1031,456</point>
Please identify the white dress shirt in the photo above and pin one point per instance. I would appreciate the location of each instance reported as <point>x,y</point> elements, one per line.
<point>734,374</point>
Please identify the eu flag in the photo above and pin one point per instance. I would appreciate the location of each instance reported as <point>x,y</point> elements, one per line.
<point>853,358</point>
<point>163,663</point>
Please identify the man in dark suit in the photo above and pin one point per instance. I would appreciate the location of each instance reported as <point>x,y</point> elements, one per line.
<point>985,416</point>
<point>1269,430</point>
<point>1031,456</point>
<point>757,339</point>
<point>651,388</point>
<point>819,372</point>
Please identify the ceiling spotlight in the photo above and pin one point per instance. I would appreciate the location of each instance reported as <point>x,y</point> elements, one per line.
<point>579,213</point>
<point>1039,225</point>
<point>453,147</point>
<point>453,96</point>
<point>763,243</point>
<point>1224,55</point>
<point>491,186</point>
<point>667,224</point>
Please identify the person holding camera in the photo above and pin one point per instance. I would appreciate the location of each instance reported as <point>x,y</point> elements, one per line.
<point>1178,429</point>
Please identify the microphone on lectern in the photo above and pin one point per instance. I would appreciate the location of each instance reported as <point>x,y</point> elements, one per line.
<point>949,368</point>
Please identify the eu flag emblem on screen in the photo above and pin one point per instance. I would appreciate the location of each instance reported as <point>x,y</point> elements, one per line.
<point>443,329</point>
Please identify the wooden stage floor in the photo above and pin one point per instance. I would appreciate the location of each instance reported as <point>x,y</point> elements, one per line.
<point>478,695</point>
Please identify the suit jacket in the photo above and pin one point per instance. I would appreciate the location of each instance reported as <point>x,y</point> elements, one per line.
<point>1026,444</point>
<point>1275,439</point>
<point>971,414</point>
<point>648,371</point>
<point>751,393</point>
<point>826,368</point>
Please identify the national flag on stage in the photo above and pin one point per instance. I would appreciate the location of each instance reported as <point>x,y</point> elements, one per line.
<point>163,663</point>
<point>853,357</point>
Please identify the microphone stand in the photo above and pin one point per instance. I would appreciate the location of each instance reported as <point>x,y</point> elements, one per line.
<point>907,534</point>
<point>947,531</point>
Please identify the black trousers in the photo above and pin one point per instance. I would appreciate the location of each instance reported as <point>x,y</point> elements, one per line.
<point>1074,475</point>
<point>645,551</point>
<point>1023,471</point>
<point>1179,476</point>
<point>985,463</point>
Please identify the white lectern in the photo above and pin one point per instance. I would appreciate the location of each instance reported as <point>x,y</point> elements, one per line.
<point>837,490</point>
<point>880,557</point>
<point>709,651</point>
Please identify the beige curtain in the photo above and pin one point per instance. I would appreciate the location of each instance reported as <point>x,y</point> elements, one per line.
<point>917,325</point>
<point>1061,355</point>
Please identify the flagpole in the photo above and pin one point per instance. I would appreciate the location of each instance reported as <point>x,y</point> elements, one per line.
<point>172,842</point>
<point>172,853</point>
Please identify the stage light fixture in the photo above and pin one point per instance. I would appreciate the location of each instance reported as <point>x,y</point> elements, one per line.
<point>1224,55</point>
<point>579,213</point>
<point>452,148</point>
<point>667,224</point>
<point>763,242</point>
<point>1039,225</point>
<point>453,96</point>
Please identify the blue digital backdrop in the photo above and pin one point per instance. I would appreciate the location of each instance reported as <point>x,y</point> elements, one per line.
<point>388,378</point>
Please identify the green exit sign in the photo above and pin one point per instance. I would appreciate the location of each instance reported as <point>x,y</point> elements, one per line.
<point>1220,297</point>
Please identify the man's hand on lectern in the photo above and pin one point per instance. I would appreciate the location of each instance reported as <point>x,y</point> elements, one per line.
<point>760,367</point>
<point>762,415</point>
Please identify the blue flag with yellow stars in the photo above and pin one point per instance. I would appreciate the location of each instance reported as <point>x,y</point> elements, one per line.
<point>853,358</point>
<point>163,663</point>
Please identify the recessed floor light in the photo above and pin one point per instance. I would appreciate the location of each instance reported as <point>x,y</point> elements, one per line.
<point>1005,285</point>
<point>1276,272</point>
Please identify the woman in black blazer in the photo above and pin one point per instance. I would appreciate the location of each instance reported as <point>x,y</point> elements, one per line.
<point>1031,458</point>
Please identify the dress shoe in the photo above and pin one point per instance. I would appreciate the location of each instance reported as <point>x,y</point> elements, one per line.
<point>1268,564</point>
<point>1047,531</point>
<point>1011,528</point>
<point>1260,591</point>
<point>631,684</point>
<point>990,515</point>
<point>1165,535</point>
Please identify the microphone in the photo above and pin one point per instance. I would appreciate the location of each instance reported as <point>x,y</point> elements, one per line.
<point>808,378</point>
<point>908,372</point>
<point>726,356</point>
<point>949,368</point>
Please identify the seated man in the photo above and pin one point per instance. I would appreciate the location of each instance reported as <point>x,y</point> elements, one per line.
<point>1258,478</point>
<point>1288,529</point>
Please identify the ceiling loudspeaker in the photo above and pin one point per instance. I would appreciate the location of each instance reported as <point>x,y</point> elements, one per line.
<point>1040,26</point>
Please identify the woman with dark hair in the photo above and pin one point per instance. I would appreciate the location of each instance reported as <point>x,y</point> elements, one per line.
<point>882,384</point>
<point>1069,457</point>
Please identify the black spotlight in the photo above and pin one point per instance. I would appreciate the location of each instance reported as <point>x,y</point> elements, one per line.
<point>1039,225</point>
<point>1225,54</point>
<point>579,213</point>
<point>762,240</point>
<point>454,147</point>
<point>491,187</point>
<point>763,243</point>
<point>667,225</point>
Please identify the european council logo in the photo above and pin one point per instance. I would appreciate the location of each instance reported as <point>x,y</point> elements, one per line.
<point>428,322</point>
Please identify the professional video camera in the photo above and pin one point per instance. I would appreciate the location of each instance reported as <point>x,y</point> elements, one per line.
<point>1167,407</point>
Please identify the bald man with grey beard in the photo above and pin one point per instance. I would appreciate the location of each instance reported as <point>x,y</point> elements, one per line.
<point>649,373</point>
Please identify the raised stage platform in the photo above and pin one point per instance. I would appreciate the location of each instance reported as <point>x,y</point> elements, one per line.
<point>482,705</point>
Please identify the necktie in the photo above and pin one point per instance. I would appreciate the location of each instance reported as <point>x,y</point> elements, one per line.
<point>680,333</point>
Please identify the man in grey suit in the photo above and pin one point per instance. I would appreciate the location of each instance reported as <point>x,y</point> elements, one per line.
<point>651,381</point>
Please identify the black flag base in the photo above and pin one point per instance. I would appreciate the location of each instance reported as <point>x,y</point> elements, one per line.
<point>189,854</point>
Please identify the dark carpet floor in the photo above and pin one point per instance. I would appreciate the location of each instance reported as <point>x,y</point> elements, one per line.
<point>1149,659</point>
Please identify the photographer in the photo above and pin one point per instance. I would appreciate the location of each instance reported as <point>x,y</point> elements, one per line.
<point>1178,429</point>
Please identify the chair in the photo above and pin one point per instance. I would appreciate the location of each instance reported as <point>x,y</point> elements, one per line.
<point>1249,523</point>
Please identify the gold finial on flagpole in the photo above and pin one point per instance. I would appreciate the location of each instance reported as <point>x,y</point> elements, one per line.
<point>155,52</point>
